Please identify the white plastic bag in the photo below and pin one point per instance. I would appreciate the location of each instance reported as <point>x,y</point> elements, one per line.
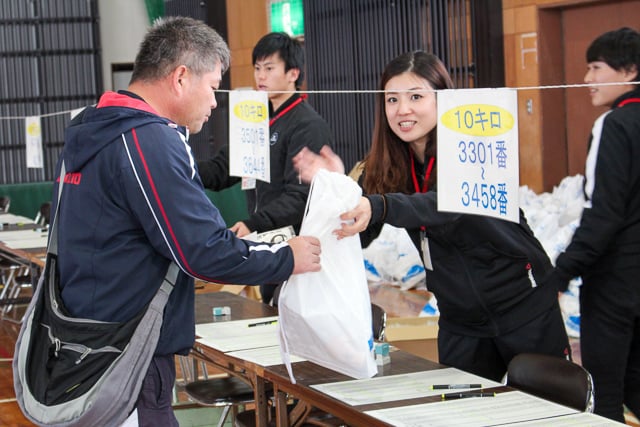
<point>393,258</point>
<point>325,317</point>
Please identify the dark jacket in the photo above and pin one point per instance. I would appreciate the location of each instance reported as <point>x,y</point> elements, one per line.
<point>131,203</point>
<point>609,233</point>
<point>280,202</point>
<point>488,273</point>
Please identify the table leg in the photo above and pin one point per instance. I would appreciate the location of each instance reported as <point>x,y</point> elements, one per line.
<point>260,396</point>
<point>282,418</point>
<point>299,413</point>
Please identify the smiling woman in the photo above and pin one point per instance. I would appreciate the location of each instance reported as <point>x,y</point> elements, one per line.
<point>487,274</point>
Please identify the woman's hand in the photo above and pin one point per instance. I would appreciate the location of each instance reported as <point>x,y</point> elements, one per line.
<point>307,163</point>
<point>356,220</point>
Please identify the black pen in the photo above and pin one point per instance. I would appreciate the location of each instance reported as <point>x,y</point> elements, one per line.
<point>268,322</point>
<point>451,396</point>
<point>454,386</point>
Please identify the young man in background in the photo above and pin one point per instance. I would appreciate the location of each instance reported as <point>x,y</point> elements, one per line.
<point>278,62</point>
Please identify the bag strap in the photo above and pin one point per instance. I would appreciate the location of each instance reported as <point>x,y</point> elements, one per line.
<point>52,246</point>
<point>173,270</point>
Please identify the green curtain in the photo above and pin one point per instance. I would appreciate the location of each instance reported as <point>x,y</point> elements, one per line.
<point>155,9</point>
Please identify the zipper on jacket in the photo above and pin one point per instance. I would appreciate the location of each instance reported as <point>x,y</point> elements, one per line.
<point>534,284</point>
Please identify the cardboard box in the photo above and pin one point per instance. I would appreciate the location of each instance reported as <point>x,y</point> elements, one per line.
<point>415,335</point>
<point>397,302</point>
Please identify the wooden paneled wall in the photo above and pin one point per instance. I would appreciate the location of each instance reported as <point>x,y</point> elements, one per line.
<point>247,21</point>
<point>538,45</point>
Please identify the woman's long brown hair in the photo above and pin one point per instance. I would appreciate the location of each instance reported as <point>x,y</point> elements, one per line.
<point>387,165</point>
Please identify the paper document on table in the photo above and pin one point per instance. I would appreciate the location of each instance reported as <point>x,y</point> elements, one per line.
<point>35,242</point>
<point>580,419</point>
<point>400,387</point>
<point>239,334</point>
<point>263,356</point>
<point>7,218</point>
<point>509,407</point>
<point>15,235</point>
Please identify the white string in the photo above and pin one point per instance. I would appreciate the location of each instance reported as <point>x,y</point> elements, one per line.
<point>568,86</point>
<point>59,113</point>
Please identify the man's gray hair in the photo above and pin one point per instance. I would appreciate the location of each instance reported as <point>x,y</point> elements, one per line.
<point>175,41</point>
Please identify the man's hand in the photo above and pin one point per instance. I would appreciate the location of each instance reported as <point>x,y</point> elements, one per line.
<point>307,163</point>
<point>306,254</point>
<point>356,220</point>
<point>240,229</point>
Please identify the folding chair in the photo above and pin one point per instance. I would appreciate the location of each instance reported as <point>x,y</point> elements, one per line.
<point>552,378</point>
<point>226,392</point>
<point>43,215</point>
<point>5,202</point>
<point>14,278</point>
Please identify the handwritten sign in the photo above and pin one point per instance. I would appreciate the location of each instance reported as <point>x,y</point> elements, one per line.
<point>33,140</point>
<point>478,171</point>
<point>249,135</point>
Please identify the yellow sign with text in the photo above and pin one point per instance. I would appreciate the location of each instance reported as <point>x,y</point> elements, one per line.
<point>478,120</point>
<point>251,111</point>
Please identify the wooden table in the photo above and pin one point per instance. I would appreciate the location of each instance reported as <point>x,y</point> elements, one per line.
<point>23,251</point>
<point>309,375</point>
<point>22,241</point>
<point>241,308</point>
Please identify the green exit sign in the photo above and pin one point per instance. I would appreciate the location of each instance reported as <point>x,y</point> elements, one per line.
<point>288,16</point>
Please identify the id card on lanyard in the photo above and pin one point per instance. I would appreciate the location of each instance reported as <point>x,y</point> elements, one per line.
<point>424,240</point>
<point>426,253</point>
<point>248,183</point>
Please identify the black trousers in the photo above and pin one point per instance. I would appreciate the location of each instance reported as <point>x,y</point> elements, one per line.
<point>610,340</point>
<point>489,356</point>
<point>154,402</point>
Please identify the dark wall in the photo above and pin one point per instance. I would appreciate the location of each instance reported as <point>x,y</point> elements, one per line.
<point>50,63</point>
<point>215,132</point>
<point>348,43</point>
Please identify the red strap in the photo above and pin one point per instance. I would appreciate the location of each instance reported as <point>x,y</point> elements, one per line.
<point>286,110</point>
<point>628,101</point>
<point>427,175</point>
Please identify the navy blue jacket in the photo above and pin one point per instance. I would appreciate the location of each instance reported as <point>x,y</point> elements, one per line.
<point>131,203</point>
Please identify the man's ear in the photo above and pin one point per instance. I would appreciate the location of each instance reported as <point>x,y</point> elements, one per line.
<point>178,78</point>
<point>632,73</point>
<point>293,73</point>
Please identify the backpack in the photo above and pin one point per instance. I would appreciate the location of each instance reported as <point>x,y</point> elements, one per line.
<point>80,372</point>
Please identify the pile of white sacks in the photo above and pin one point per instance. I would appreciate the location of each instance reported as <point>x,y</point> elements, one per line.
<point>553,217</point>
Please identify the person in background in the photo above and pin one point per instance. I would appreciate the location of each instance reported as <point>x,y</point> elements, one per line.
<point>486,273</point>
<point>605,248</point>
<point>137,203</point>
<point>278,62</point>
